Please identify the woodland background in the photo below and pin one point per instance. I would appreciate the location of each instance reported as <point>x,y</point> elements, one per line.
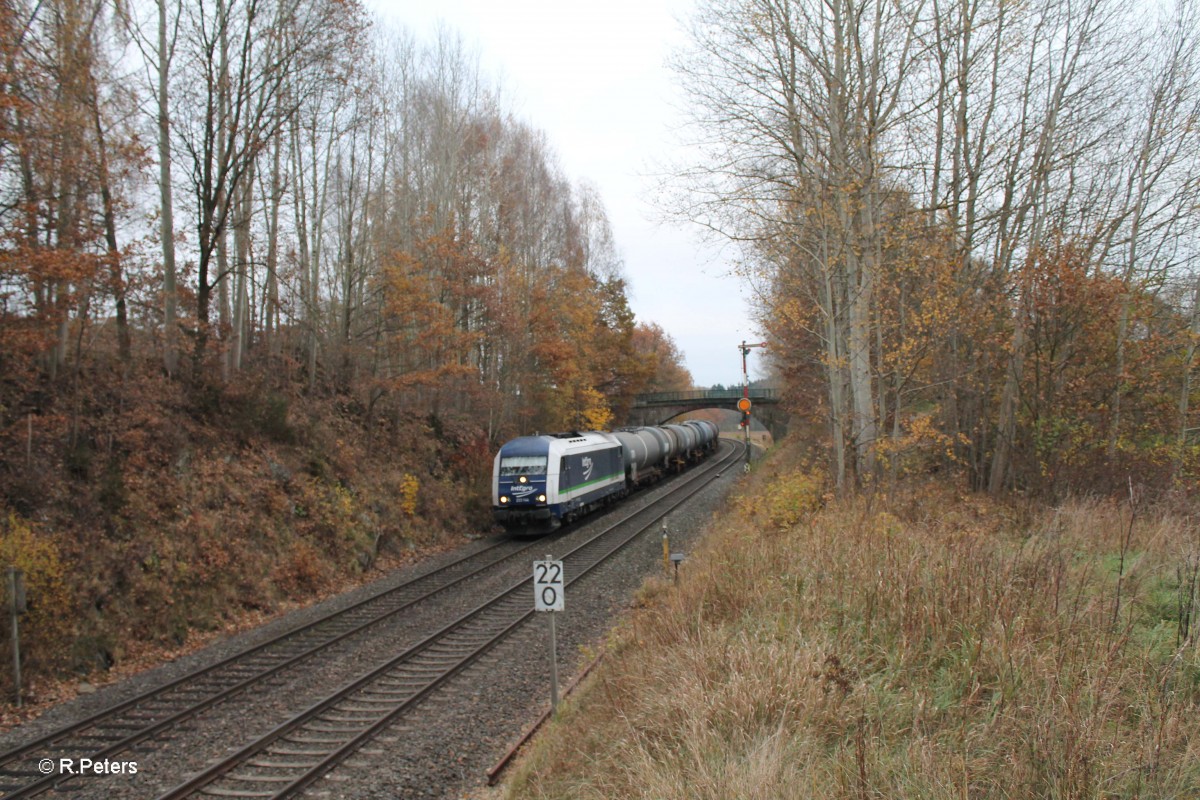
<point>274,283</point>
<point>970,224</point>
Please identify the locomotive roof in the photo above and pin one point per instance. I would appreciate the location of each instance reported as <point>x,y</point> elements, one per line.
<point>526,446</point>
<point>540,444</point>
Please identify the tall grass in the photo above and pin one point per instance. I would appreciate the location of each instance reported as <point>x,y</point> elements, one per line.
<point>919,643</point>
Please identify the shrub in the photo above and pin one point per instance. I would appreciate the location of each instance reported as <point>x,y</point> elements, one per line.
<point>788,499</point>
<point>409,487</point>
<point>47,623</point>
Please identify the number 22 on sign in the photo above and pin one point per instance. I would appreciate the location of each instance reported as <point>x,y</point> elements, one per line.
<point>548,585</point>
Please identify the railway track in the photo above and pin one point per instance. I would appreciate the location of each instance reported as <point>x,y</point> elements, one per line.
<point>116,729</point>
<point>286,760</point>
<point>392,688</point>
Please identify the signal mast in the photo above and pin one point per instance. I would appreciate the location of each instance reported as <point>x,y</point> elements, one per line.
<point>744,404</point>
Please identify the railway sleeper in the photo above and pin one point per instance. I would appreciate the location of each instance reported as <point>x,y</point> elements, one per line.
<point>303,642</point>
<point>470,645</point>
<point>276,750</point>
<point>122,726</point>
<point>239,776</point>
<point>212,686</point>
<point>428,670</point>
<point>331,728</point>
<point>315,738</point>
<point>407,689</point>
<point>365,716</point>
<point>137,714</point>
<point>456,655</point>
<point>379,609</point>
<point>188,694</point>
<point>245,667</point>
<point>154,709</point>
<point>423,678</point>
<point>377,706</point>
<point>372,708</point>
<point>451,652</point>
<point>218,791</point>
<point>390,695</point>
<point>100,737</point>
<point>293,765</point>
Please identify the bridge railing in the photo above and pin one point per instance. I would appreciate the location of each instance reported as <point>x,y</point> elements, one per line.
<point>720,395</point>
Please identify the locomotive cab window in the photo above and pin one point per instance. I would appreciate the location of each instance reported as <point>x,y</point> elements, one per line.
<point>523,465</point>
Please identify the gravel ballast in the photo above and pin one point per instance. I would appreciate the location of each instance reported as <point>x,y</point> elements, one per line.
<point>445,748</point>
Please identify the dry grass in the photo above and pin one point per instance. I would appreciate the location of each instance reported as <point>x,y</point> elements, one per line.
<point>919,644</point>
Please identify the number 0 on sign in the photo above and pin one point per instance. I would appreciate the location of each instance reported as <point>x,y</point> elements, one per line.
<point>548,585</point>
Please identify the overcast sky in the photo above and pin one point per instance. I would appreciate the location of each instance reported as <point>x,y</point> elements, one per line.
<point>593,76</point>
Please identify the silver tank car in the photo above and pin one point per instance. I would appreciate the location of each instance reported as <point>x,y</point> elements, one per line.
<point>708,432</point>
<point>646,451</point>
<point>687,440</point>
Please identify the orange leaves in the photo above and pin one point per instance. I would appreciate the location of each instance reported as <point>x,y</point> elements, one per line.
<point>39,289</point>
<point>1079,373</point>
<point>432,295</point>
<point>41,265</point>
<point>582,334</point>
<point>549,344</point>
<point>409,488</point>
<point>921,446</point>
<point>1065,302</point>
<point>663,360</point>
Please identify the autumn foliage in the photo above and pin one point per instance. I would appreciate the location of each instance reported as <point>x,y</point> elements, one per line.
<point>949,337</point>
<point>971,230</point>
<point>372,277</point>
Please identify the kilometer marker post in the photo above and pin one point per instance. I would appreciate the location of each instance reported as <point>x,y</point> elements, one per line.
<point>548,596</point>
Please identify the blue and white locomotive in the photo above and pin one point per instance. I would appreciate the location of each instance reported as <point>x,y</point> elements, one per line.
<point>540,482</point>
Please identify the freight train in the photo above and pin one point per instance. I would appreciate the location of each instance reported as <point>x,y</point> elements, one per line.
<point>540,482</point>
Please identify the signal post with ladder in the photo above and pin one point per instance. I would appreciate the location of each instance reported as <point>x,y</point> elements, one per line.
<point>744,404</point>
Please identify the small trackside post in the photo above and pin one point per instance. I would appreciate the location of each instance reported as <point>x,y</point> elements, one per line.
<point>677,559</point>
<point>548,596</point>
<point>666,543</point>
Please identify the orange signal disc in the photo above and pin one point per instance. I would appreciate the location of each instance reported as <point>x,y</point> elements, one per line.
<point>743,404</point>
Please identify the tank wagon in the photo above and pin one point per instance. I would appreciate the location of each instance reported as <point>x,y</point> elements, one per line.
<point>542,481</point>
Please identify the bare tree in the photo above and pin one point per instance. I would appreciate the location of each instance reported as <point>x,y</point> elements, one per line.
<point>801,99</point>
<point>245,68</point>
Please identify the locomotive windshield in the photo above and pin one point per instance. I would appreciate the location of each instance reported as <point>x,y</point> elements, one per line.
<point>523,465</point>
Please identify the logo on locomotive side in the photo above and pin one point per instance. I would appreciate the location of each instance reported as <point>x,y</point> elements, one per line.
<point>587,468</point>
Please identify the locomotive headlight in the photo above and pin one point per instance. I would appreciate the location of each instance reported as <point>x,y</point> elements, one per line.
<point>541,498</point>
<point>522,479</point>
<point>503,500</point>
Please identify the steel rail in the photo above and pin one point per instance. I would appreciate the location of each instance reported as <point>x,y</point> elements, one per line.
<point>58,741</point>
<point>376,700</point>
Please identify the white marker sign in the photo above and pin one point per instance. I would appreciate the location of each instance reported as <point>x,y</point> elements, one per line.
<point>548,585</point>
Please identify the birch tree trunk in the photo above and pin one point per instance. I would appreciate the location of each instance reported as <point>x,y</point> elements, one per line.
<point>166,197</point>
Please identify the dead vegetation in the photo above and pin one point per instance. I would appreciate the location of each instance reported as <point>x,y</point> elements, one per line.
<point>919,642</point>
<point>150,524</point>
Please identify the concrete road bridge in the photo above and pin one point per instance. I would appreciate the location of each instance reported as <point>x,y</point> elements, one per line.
<point>655,409</point>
